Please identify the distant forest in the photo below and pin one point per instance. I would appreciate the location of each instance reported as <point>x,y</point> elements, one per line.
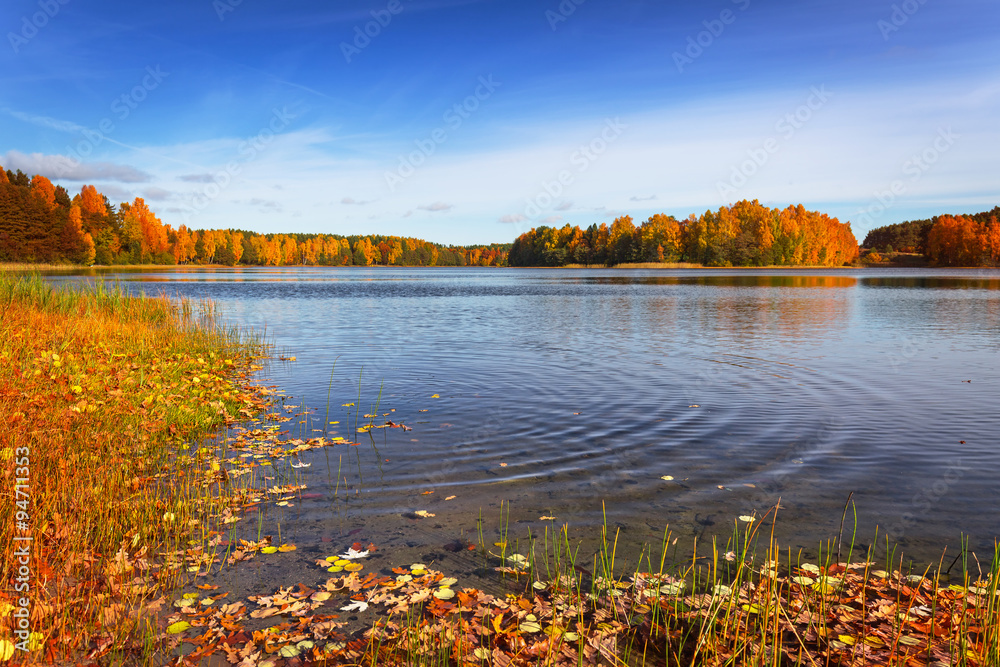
<point>946,240</point>
<point>744,234</point>
<point>40,223</point>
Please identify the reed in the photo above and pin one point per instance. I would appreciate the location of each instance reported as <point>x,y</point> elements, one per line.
<point>747,602</point>
<point>101,396</point>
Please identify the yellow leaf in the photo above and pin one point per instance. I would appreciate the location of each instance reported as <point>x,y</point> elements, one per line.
<point>287,547</point>
<point>435,396</point>
<point>178,627</point>
<point>269,550</point>
<point>6,650</point>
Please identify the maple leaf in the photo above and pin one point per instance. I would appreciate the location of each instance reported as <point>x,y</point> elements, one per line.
<point>357,605</point>
<point>354,554</point>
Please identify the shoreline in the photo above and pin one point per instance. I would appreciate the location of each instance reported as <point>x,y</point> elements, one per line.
<point>679,266</point>
<point>541,576</point>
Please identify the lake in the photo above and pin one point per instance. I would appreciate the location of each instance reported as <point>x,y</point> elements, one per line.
<point>572,393</point>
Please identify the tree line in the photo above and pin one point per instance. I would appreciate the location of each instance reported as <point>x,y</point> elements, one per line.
<point>743,234</point>
<point>945,240</point>
<point>39,222</point>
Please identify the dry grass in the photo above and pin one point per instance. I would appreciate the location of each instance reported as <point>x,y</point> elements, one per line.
<point>98,392</point>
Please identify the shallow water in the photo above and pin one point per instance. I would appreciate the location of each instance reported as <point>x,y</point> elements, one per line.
<point>571,393</point>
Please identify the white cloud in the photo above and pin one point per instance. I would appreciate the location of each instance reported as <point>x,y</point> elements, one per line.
<point>436,206</point>
<point>852,147</point>
<point>60,167</point>
<point>511,218</point>
<point>156,194</point>
<point>116,194</point>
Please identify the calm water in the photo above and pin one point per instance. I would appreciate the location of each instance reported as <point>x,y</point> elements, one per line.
<point>559,389</point>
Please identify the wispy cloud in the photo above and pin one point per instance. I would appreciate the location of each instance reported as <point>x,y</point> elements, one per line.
<point>636,198</point>
<point>157,194</point>
<point>44,121</point>
<point>265,204</point>
<point>512,218</point>
<point>436,206</point>
<point>351,201</point>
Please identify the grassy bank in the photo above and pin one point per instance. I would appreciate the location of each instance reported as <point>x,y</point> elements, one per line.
<point>104,403</point>
<point>99,391</point>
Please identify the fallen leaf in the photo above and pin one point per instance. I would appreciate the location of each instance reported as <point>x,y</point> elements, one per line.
<point>178,627</point>
<point>424,513</point>
<point>357,605</point>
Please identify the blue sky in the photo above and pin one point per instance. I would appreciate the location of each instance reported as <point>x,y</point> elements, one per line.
<point>470,121</point>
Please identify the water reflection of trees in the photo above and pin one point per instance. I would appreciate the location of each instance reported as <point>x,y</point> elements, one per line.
<point>932,282</point>
<point>664,312</point>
